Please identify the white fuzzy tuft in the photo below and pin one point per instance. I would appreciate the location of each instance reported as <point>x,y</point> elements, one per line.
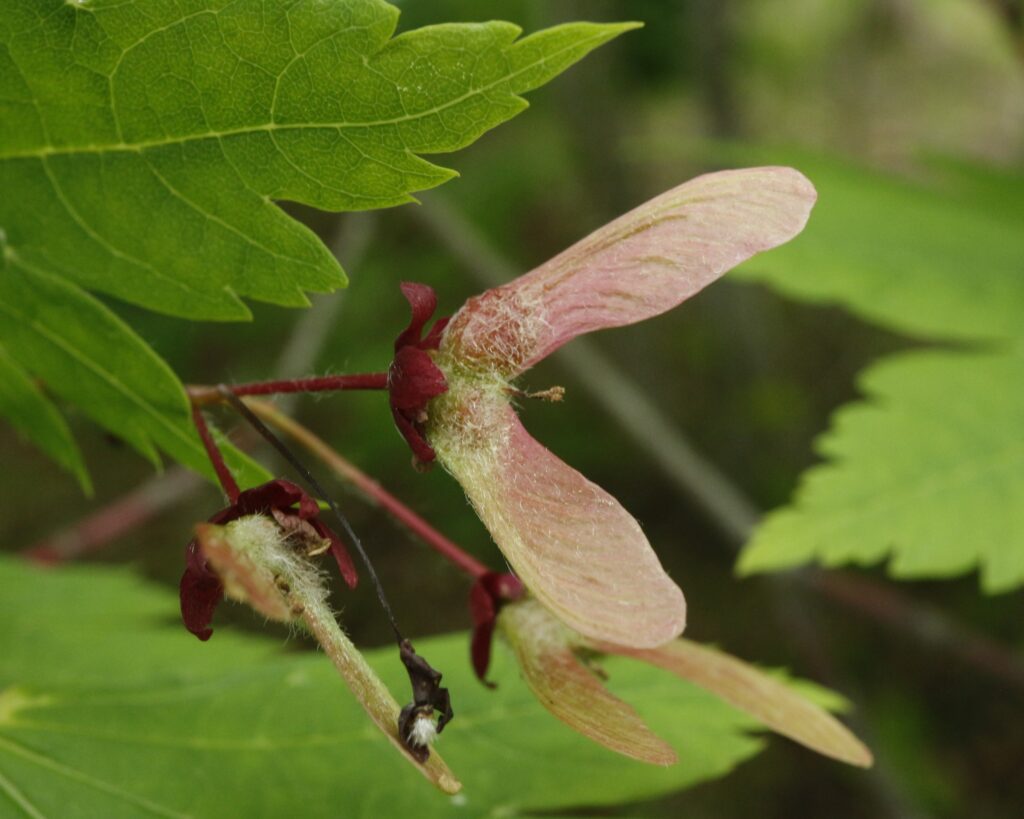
<point>423,732</point>
<point>260,539</point>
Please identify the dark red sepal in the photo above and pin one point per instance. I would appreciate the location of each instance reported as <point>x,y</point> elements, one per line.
<point>200,592</point>
<point>432,340</point>
<point>421,450</point>
<point>423,302</point>
<point>413,377</point>
<point>488,594</point>
<point>339,552</point>
<point>294,510</point>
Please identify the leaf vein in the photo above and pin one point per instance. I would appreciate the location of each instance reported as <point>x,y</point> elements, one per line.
<point>19,798</point>
<point>50,764</point>
<point>226,225</point>
<point>102,241</point>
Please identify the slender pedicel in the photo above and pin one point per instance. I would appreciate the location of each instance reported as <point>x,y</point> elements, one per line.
<point>239,405</point>
<point>202,394</point>
<point>227,480</point>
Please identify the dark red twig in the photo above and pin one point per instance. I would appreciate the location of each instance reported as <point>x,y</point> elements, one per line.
<point>227,480</point>
<point>116,519</point>
<point>202,395</point>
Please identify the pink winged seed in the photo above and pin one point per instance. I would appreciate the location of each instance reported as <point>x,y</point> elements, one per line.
<point>570,542</point>
<point>642,264</point>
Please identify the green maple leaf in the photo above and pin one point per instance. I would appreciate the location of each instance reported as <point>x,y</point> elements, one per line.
<point>108,709</point>
<point>145,143</point>
<point>928,470</point>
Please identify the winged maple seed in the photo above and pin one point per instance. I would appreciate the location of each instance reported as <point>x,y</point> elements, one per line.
<point>489,594</point>
<point>261,558</point>
<point>571,543</point>
<point>562,667</point>
<point>559,667</point>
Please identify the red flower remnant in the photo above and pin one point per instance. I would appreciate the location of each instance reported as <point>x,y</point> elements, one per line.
<point>489,593</point>
<point>414,378</point>
<point>200,592</point>
<point>296,513</point>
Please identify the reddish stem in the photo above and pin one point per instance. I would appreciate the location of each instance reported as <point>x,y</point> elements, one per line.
<point>416,524</point>
<point>115,520</point>
<point>324,383</point>
<point>227,480</point>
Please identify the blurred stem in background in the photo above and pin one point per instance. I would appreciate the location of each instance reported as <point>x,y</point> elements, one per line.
<point>1012,14</point>
<point>711,21</point>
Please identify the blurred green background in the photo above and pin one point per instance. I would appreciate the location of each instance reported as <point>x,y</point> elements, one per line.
<point>743,374</point>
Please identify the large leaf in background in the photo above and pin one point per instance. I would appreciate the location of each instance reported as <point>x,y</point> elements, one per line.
<point>144,141</point>
<point>109,708</point>
<point>936,259</point>
<point>929,469</point>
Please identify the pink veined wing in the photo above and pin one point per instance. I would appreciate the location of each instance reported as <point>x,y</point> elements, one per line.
<point>642,264</point>
<point>573,545</point>
<point>765,697</point>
